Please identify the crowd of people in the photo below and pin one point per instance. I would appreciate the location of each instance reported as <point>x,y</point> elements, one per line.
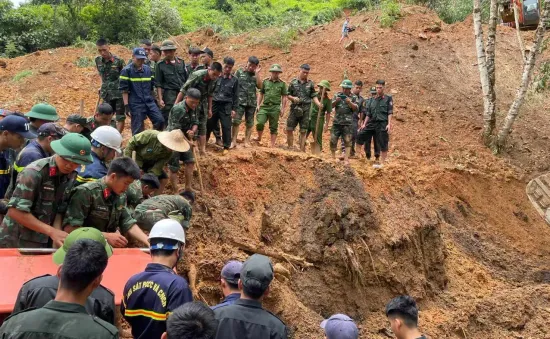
<point>75,187</point>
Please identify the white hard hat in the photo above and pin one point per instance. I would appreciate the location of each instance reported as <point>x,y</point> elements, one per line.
<point>108,136</point>
<point>167,229</point>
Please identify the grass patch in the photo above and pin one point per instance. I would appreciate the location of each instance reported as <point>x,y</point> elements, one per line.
<point>391,12</point>
<point>83,62</point>
<point>22,75</point>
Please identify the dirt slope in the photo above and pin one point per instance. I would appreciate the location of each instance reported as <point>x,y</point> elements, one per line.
<point>445,221</point>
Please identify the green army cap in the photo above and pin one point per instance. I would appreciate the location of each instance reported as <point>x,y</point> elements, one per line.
<point>346,84</point>
<point>81,233</point>
<point>373,90</point>
<point>168,45</point>
<point>74,147</point>
<point>43,112</point>
<point>276,68</point>
<point>257,273</point>
<point>325,84</point>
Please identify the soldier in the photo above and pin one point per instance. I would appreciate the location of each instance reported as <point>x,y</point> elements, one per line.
<point>106,142</point>
<point>141,306</point>
<point>41,114</point>
<point>165,206</point>
<point>184,118</point>
<point>137,82</point>
<point>141,189</point>
<point>37,292</point>
<point>225,103</point>
<point>203,80</point>
<point>301,92</point>
<point>66,316</point>
<point>194,56</point>
<point>170,75</point>
<point>380,110</point>
<point>207,58</point>
<point>271,104</point>
<point>39,148</point>
<point>248,80</point>
<point>41,192</point>
<point>156,55</point>
<point>323,107</point>
<point>110,67</point>
<point>151,154</point>
<point>357,88</point>
<point>344,105</point>
<point>102,205</point>
<point>366,135</point>
<point>75,123</point>
<point>102,117</point>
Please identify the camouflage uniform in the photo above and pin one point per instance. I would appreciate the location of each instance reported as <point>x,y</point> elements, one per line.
<point>247,97</point>
<point>271,105</point>
<point>326,109</point>
<point>94,205</point>
<point>299,112</point>
<point>170,76</point>
<point>151,155</point>
<point>342,126</point>
<point>184,118</point>
<point>91,125</point>
<point>189,68</point>
<point>43,191</point>
<point>161,207</point>
<point>134,195</point>
<point>199,80</point>
<point>109,70</point>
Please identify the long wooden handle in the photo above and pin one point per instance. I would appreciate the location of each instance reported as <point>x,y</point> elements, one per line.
<point>319,117</point>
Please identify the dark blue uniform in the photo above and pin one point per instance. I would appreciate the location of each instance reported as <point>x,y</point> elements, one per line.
<point>6,159</point>
<point>91,172</point>
<point>139,84</point>
<point>149,297</point>
<point>229,300</point>
<point>32,152</point>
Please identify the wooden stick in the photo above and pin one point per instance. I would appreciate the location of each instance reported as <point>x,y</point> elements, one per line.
<point>192,275</point>
<point>134,155</point>
<point>82,107</point>
<point>196,162</point>
<point>97,103</point>
<point>317,145</point>
<point>292,259</point>
<point>371,260</point>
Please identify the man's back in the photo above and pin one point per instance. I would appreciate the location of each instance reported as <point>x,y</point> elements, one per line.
<point>246,319</point>
<point>56,320</point>
<point>39,291</point>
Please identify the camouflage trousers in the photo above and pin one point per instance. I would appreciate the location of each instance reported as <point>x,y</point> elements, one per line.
<point>340,131</point>
<point>146,218</point>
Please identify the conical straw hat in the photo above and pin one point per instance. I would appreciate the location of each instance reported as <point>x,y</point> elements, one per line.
<point>174,140</point>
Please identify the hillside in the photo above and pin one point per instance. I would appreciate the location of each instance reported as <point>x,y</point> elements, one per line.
<point>446,221</point>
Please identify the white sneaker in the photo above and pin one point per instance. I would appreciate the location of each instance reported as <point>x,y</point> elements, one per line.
<point>377,166</point>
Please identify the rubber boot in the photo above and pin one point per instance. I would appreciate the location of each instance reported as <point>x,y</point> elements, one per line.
<point>289,139</point>
<point>247,136</point>
<point>234,134</point>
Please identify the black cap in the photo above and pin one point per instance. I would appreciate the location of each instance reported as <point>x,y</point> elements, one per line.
<point>257,273</point>
<point>194,50</point>
<point>51,129</point>
<point>17,124</point>
<point>253,60</point>
<point>305,67</point>
<point>208,51</point>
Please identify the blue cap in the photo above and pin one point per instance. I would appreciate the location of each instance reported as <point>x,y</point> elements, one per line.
<point>340,326</point>
<point>231,272</point>
<point>17,124</point>
<point>139,53</point>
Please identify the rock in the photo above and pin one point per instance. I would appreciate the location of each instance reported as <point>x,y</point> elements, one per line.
<point>394,91</point>
<point>423,36</point>
<point>209,32</point>
<point>414,46</point>
<point>412,56</point>
<point>37,53</point>
<point>350,46</point>
<point>311,30</point>
<point>3,64</point>
<point>434,28</point>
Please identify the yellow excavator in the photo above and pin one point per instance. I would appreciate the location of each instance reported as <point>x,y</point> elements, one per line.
<point>528,13</point>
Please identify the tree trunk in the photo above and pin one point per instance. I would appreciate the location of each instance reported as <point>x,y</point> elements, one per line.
<point>490,60</point>
<point>528,69</point>
<point>520,40</point>
<point>488,121</point>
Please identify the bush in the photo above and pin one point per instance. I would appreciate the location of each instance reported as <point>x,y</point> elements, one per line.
<point>22,75</point>
<point>391,11</point>
<point>84,62</point>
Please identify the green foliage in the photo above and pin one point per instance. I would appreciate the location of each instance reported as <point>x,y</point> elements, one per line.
<point>542,78</point>
<point>22,75</point>
<point>84,62</point>
<point>391,11</point>
<point>355,4</point>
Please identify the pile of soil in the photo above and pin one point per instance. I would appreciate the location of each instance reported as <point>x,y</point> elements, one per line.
<point>445,221</point>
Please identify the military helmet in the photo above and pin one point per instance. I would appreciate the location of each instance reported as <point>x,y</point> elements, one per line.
<point>81,233</point>
<point>325,84</point>
<point>43,112</point>
<point>346,84</point>
<point>373,90</point>
<point>276,68</point>
<point>168,45</point>
<point>74,147</point>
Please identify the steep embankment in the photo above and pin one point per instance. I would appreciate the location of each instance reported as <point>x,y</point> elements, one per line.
<point>445,221</point>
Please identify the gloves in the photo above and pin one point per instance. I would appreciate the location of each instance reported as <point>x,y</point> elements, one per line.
<point>127,110</point>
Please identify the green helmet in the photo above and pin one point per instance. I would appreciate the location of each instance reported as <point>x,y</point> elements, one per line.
<point>43,112</point>
<point>276,68</point>
<point>81,233</point>
<point>74,147</point>
<point>373,90</point>
<point>346,84</point>
<point>325,84</point>
<point>167,45</point>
